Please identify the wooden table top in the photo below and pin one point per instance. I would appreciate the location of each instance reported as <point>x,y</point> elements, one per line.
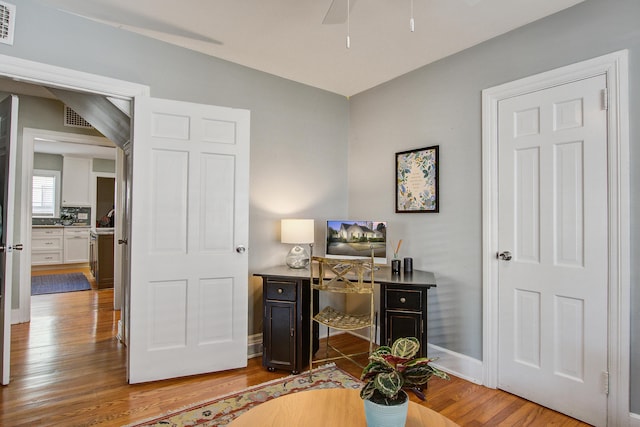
<point>327,407</point>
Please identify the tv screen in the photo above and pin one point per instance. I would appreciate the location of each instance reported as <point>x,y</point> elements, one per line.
<point>355,239</point>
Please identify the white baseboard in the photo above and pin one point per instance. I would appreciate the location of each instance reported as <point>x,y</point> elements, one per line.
<point>453,363</point>
<point>254,346</point>
<point>456,364</point>
<point>634,420</point>
<point>16,316</point>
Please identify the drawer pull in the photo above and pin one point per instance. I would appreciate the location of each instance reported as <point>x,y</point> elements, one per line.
<point>403,300</point>
<point>280,290</point>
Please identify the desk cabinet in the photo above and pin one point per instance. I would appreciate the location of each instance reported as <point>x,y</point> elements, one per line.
<point>286,298</point>
<point>285,333</point>
<point>403,313</point>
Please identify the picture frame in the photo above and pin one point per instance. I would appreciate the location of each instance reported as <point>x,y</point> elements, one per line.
<point>417,180</point>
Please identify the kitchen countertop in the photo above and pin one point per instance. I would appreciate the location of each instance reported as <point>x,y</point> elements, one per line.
<point>60,226</point>
<point>102,230</point>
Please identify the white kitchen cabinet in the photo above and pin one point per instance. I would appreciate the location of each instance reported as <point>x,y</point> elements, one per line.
<point>76,244</point>
<point>47,246</point>
<point>76,172</point>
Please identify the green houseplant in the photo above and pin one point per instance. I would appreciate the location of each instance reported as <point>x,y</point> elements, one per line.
<point>390,371</point>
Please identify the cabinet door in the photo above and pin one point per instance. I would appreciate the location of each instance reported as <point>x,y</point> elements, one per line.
<point>404,315</point>
<point>403,324</point>
<point>75,181</point>
<point>279,347</point>
<point>76,248</point>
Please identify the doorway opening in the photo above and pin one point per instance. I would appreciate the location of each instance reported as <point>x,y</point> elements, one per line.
<point>38,74</point>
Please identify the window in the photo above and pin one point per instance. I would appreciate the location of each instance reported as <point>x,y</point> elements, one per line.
<point>45,193</point>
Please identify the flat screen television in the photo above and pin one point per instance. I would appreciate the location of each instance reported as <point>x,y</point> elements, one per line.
<point>355,239</point>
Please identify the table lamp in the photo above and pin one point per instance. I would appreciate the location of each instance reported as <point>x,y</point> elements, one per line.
<point>297,232</point>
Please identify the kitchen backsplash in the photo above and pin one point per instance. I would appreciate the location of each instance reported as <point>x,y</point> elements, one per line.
<point>68,216</point>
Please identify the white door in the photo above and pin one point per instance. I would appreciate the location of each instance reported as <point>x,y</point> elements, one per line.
<point>189,231</point>
<point>123,220</point>
<point>553,220</point>
<point>8,137</point>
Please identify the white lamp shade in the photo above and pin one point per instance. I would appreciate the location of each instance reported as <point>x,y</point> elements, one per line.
<point>296,231</point>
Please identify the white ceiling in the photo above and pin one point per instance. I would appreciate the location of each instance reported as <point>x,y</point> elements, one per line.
<point>288,38</point>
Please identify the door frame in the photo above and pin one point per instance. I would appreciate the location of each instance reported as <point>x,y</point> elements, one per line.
<point>615,67</point>
<point>63,78</point>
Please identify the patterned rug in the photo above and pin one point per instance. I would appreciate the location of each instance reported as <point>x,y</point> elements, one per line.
<point>222,410</point>
<point>56,283</point>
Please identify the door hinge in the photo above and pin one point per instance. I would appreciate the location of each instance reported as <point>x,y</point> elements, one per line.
<point>605,382</point>
<point>605,99</point>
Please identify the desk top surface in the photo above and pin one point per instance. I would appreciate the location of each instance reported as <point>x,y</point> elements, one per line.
<point>381,275</point>
<point>328,407</point>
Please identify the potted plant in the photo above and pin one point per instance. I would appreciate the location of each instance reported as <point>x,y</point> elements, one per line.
<point>390,371</point>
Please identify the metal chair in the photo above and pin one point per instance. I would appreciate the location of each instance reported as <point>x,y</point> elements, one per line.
<point>342,276</point>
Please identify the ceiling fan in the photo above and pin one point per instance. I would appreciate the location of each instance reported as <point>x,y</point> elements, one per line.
<point>337,12</point>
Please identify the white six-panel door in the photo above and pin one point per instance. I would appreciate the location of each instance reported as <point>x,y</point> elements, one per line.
<point>553,220</point>
<point>189,231</point>
<point>8,141</point>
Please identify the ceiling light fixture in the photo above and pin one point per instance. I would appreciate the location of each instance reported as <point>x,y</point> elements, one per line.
<point>412,24</point>
<point>348,24</point>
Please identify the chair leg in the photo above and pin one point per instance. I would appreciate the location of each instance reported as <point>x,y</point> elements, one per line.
<point>326,354</point>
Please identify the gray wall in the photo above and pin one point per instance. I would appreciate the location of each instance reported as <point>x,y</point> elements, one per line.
<point>440,104</point>
<point>52,162</point>
<point>296,130</point>
<point>104,165</point>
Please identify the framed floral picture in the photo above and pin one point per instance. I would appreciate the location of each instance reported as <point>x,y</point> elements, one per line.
<point>417,180</point>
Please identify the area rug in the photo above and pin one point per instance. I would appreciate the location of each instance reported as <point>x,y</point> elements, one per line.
<point>57,283</point>
<point>222,410</point>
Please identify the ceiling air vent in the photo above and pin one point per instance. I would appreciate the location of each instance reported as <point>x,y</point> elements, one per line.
<point>7,22</point>
<point>75,120</point>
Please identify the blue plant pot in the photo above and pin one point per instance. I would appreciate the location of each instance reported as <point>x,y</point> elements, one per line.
<point>386,416</point>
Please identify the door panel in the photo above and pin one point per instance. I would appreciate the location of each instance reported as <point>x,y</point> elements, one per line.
<point>8,138</point>
<point>553,218</point>
<point>189,212</point>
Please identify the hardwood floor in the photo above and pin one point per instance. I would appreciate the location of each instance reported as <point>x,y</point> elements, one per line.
<point>68,369</point>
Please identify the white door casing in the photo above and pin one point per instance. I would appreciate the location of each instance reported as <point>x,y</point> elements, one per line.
<point>189,230</point>
<point>8,142</point>
<point>552,327</point>
<point>30,137</point>
<point>614,163</point>
<point>64,78</point>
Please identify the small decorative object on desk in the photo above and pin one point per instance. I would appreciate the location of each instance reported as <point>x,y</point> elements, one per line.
<point>408,265</point>
<point>390,371</point>
<point>395,262</point>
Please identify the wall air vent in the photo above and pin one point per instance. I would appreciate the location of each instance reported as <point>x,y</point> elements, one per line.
<point>7,22</point>
<point>75,120</point>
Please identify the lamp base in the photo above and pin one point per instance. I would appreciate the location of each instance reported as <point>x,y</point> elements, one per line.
<point>298,257</point>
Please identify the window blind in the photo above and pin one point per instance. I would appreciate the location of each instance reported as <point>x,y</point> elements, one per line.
<point>44,193</point>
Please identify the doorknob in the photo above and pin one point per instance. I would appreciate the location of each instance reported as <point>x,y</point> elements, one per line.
<point>505,256</point>
<point>16,247</point>
<point>240,249</point>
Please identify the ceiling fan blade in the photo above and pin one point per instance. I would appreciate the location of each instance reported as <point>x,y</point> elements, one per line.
<point>337,13</point>
<point>116,16</point>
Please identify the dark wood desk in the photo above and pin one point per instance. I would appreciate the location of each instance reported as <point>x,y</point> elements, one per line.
<point>286,298</point>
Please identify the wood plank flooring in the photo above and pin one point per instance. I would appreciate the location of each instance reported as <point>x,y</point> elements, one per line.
<point>68,369</point>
